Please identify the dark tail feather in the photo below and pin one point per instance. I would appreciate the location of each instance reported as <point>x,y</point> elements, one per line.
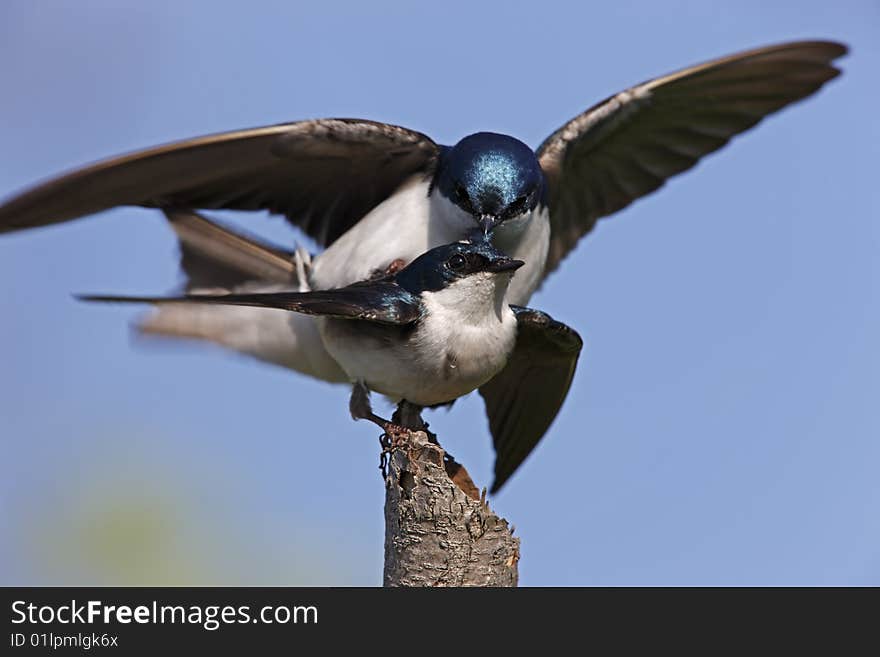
<point>212,255</point>
<point>281,300</point>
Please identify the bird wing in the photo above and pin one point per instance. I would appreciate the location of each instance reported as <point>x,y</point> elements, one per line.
<point>628,145</point>
<point>523,399</point>
<point>383,302</point>
<point>213,255</point>
<point>324,175</point>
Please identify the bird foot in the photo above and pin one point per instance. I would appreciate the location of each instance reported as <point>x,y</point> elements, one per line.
<point>394,437</point>
<point>393,267</point>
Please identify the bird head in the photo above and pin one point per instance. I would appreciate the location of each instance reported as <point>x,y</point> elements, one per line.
<point>466,265</point>
<point>493,178</point>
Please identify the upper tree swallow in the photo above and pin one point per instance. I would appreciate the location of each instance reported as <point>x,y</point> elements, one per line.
<point>434,331</point>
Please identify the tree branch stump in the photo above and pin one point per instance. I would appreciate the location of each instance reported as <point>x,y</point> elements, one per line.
<point>440,531</point>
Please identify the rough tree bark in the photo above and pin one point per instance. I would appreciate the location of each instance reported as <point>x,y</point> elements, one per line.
<point>439,531</point>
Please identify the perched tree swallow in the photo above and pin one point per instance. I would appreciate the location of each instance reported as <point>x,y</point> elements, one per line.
<point>435,331</point>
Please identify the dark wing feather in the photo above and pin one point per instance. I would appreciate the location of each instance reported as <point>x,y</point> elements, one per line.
<point>213,255</point>
<point>382,302</point>
<point>630,144</point>
<point>324,175</point>
<point>523,399</point>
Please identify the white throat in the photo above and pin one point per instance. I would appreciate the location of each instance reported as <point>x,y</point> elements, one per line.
<point>478,299</point>
<point>451,219</point>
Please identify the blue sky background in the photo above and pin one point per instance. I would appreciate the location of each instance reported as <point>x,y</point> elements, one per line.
<point>722,427</point>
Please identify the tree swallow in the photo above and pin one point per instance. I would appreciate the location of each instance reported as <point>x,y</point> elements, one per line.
<point>433,332</point>
<point>376,196</point>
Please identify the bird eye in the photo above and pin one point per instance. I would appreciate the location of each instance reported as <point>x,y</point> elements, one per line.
<point>457,262</point>
<point>519,205</point>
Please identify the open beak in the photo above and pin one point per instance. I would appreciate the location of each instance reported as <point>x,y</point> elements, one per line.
<point>504,264</point>
<point>487,223</point>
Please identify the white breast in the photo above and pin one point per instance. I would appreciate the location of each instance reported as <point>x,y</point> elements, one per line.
<point>525,238</point>
<point>464,339</point>
<point>403,226</point>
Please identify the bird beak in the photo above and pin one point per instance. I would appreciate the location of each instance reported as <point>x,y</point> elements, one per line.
<point>487,223</point>
<point>504,264</point>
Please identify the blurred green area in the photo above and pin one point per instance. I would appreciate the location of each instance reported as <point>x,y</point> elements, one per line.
<point>143,522</point>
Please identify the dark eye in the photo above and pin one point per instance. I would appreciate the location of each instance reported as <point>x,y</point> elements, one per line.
<point>519,205</point>
<point>457,262</point>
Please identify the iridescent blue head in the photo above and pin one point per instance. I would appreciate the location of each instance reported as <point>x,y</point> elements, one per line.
<point>444,265</point>
<point>492,177</point>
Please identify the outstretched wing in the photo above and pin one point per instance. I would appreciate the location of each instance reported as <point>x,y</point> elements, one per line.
<point>383,302</point>
<point>630,144</point>
<point>324,175</point>
<point>523,399</point>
